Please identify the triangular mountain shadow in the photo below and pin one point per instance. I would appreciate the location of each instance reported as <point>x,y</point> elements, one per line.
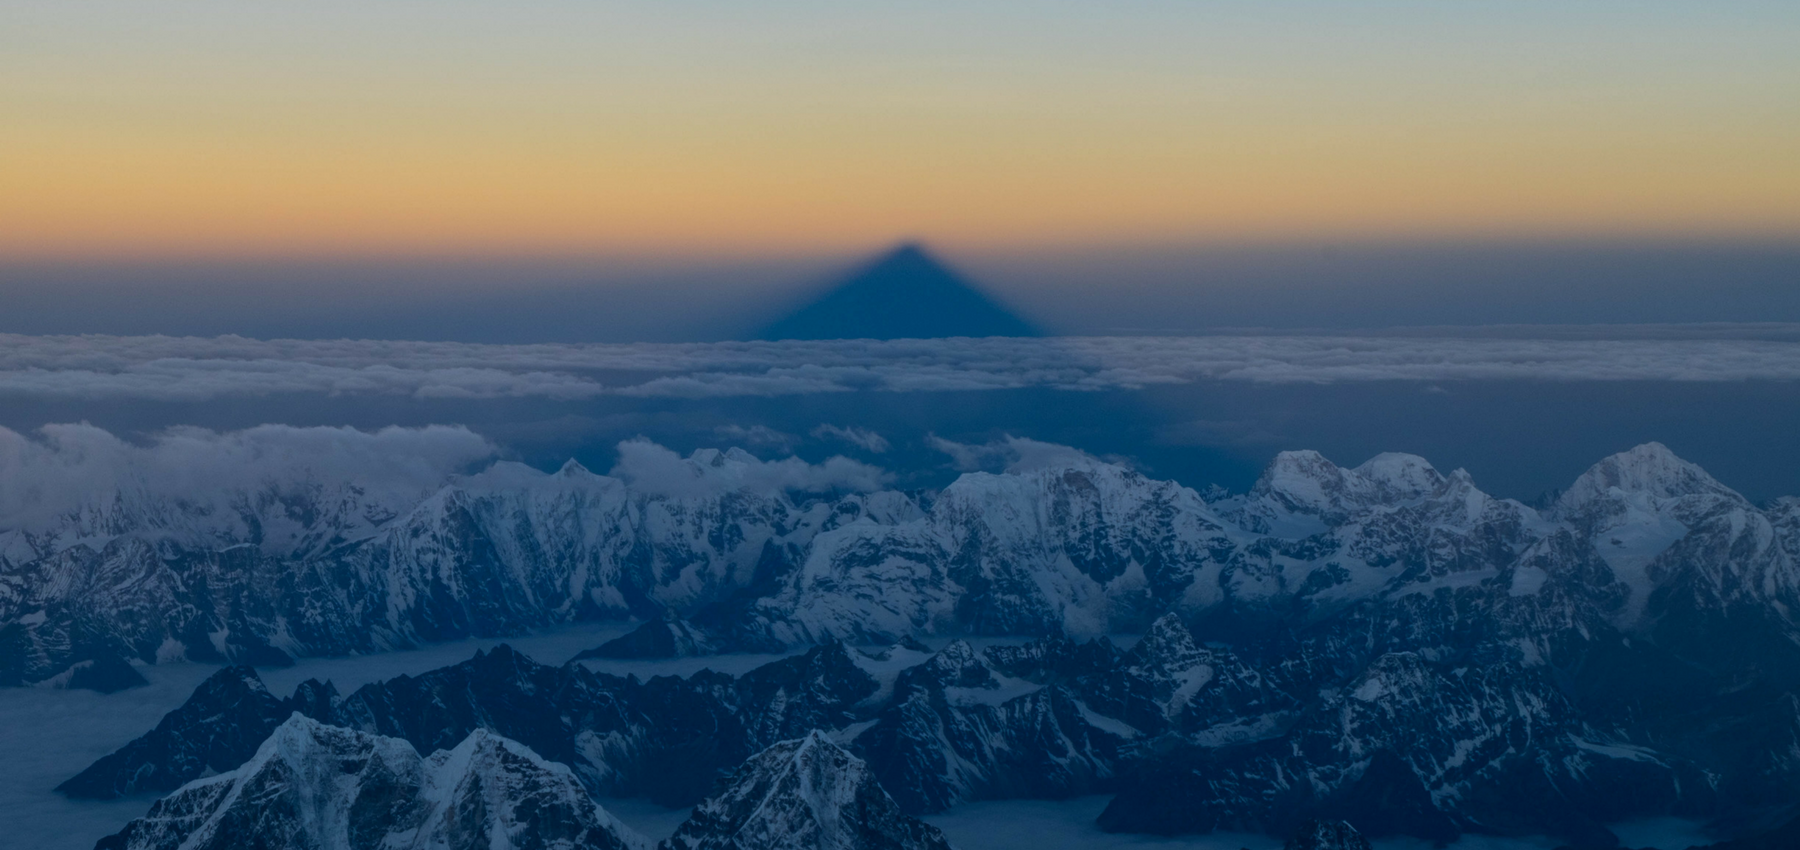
<point>905,294</point>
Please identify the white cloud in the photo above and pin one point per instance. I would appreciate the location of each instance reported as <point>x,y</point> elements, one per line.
<point>65,467</point>
<point>963,456</point>
<point>757,435</point>
<point>189,369</point>
<point>860,437</point>
<point>650,468</point>
<point>1009,454</point>
<point>188,475</point>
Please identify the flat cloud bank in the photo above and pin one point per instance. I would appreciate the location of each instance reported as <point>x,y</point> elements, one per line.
<point>196,369</point>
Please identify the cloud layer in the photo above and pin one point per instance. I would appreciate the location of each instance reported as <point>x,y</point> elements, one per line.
<point>193,369</point>
<point>1008,454</point>
<point>65,467</point>
<point>199,473</point>
<point>653,469</point>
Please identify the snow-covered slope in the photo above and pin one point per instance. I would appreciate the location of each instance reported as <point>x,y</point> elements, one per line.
<point>315,786</point>
<point>1075,547</point>
<point>1394,716</point>
<point>495,554</point>
<point>803,794</point>
<point>1334,636</point>
<point>1080,548</point>
<point>1668,530</point>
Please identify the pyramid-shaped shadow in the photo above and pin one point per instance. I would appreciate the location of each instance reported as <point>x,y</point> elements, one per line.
<point>904,294</point>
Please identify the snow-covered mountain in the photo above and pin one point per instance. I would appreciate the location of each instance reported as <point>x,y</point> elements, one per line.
<point>1078,547</point>
<point>1385,645</point>
<point>220,726</point>
<point>498,553</point>
<point>315,786</point>
<point>805,794</point>
<point>1193,737</point>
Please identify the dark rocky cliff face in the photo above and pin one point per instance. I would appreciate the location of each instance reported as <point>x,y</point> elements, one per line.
<point>1326,835</point>
<point>219,727</point>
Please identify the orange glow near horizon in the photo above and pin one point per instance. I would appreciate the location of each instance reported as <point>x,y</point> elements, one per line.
<point>240,140</point>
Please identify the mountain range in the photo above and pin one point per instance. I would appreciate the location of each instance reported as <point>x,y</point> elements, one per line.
<point>311,785</point>
<point>1643,544</point>
<point>315,786</point>
<point>1384,645</point>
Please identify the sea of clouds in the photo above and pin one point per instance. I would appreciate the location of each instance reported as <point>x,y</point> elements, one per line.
<point>199,369</point>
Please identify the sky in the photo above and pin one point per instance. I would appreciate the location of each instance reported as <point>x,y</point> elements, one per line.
<point>206,129</point>
<point>1510,236</point>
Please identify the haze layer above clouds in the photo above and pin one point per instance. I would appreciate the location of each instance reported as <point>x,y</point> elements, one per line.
<point>1093,291</point>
